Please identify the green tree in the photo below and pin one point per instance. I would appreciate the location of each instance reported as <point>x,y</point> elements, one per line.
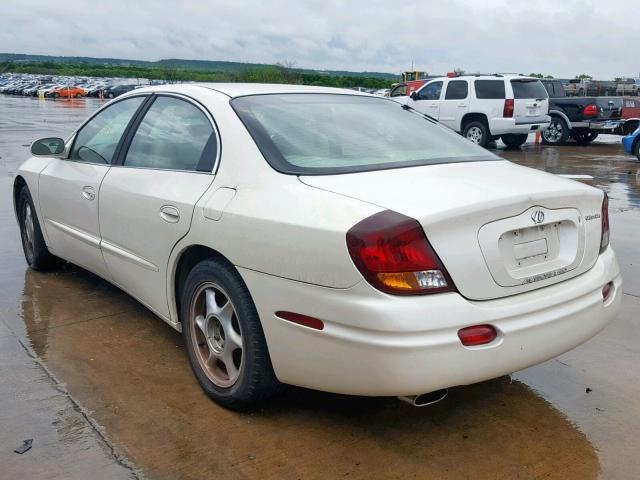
<point>584,76</point>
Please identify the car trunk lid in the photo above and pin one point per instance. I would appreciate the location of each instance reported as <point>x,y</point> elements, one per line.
<point>499,228</point>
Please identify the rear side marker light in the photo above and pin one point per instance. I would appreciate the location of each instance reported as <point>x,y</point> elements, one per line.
<point>507,112</point>
<point>393,254</point>
<point>477,335</point>
<point>300,319</point>
<point>606,291</point>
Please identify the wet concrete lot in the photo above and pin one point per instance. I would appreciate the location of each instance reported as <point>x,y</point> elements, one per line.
<point>122,377</point>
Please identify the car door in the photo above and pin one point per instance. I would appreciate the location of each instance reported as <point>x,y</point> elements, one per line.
<point>147,201</point>
<point>69,188</point>
<point>427,99</point>
<point>455,103</point>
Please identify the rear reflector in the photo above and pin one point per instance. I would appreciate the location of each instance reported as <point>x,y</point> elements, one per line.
<point>477,335</point>
<point>301,319</point>
<point>606,291</point>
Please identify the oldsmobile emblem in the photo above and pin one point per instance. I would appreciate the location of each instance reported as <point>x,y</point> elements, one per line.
<point>537,216</point>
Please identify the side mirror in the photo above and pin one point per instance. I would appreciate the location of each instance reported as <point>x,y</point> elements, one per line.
<point>46,147</point>
<point>414,95</point>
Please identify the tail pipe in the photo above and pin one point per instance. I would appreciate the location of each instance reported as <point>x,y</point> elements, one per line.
<point>425,399</point>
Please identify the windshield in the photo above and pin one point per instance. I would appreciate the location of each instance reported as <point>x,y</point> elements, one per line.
<point>317,134</point>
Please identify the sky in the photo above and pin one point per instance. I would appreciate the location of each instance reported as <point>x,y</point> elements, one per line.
<point>562,38</point>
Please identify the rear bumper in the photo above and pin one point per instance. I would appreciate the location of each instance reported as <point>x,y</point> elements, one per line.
<point>598,124</point>
<point>502,126</point>
<point>380,345</point>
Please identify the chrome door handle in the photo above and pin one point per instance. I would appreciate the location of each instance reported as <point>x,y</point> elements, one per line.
<point>89,193</point>
<point>170,214</point>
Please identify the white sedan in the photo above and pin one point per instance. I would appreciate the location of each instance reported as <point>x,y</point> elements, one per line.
<point>321,238</point>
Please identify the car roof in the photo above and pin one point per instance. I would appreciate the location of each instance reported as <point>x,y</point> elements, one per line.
<point>242,89</point>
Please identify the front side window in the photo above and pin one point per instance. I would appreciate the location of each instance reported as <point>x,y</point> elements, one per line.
<point>399,91</point>
<point>490,89</point>
<point>457,90</point>
<point>431,91</point>
<point>318,134</point>
<point>173,135</point>
<point>97,140</point>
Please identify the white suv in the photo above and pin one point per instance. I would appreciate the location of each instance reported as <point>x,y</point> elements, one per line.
<point>485,107</point>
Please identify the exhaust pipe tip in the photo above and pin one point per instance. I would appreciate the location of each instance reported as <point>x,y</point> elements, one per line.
<point>425,399</point>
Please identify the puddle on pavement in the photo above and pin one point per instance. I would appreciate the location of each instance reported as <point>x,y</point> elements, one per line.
<point>129,369</point>
<point>613,171</point>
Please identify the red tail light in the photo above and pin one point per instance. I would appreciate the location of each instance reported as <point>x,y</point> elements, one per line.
<point>477,335</point>
<point>590,111</point>
<point>393,254</point>
<point>508,108</point>
<point>604,220</point>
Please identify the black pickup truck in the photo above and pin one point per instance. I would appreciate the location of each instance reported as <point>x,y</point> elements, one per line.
<point>580,118</point>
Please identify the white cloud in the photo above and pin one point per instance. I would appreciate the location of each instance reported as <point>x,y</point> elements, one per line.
<point>562,38</point>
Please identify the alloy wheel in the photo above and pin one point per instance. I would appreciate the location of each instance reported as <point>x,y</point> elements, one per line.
<point>554,132</point>
<point>217,335</point>
<point>475,135</point>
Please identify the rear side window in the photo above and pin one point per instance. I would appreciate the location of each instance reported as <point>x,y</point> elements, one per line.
<point>528,89</point>
<point>490,89</point>
<point>558,89</point>
<point>173,135</point>
<point>457,90</point>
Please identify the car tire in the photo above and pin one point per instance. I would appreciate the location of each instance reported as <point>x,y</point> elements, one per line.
<point>636,148</point>
<point>77,95</point>
<point>477,132</point>
<point>584,138</point>
<point>55,94</point>
<point>35,249</point>
<point>216,300</point>
<point>557,133</point>
<point>514,140</point>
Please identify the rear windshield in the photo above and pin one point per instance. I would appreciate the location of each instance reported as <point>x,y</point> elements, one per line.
<point>528,89</point>
<point>490,89</point>
<point>319,134</point>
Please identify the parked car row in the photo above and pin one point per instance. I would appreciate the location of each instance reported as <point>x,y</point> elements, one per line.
<point>581,87</point>
<point>62,87</point>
